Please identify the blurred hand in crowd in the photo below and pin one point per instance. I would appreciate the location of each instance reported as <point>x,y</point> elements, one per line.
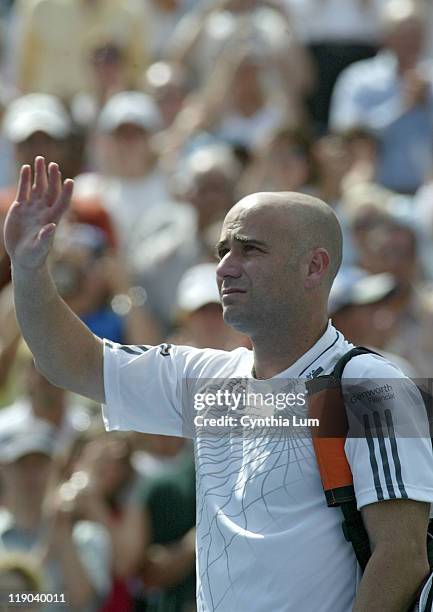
<point>415,89</point>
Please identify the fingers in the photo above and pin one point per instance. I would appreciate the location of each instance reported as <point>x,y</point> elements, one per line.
<point>63,201</point>
<point>40,183</point>
<point>23,190</point>
<point>54,183</point>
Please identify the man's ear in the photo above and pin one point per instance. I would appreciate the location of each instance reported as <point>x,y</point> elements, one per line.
<point>317,268</point>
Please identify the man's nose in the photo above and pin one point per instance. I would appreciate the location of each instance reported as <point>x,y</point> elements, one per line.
<point>228,266</point>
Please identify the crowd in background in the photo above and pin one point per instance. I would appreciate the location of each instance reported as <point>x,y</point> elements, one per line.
<point>165,113</point>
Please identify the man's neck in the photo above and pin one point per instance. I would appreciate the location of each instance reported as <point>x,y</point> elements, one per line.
<point>276,353</point>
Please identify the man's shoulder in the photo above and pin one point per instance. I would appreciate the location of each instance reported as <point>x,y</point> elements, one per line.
<point>205,361</point>
<point>370,366</point>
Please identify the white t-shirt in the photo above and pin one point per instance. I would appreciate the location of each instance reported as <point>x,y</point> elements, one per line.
<point>266,539</point>
<point>128,201</point>
<point>250,131</point>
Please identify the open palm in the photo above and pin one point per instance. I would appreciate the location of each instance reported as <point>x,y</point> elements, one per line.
<point>32,219</point>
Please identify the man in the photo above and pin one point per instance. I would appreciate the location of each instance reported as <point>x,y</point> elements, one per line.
<point>392,95</point>
<point>265,538</point>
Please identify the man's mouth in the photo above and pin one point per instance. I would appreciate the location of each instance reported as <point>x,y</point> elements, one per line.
<point>230,290</point>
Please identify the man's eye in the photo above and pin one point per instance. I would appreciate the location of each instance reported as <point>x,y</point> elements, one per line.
<point>250,247</point>
<point>221,253</point>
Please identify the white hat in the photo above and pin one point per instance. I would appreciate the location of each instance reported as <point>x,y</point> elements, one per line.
<point>354,287</point>
<point>129,107</point>
<point>36,113</point>
<point>26,437</point>
<point>197,288</point>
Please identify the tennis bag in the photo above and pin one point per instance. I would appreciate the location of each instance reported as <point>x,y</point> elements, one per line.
<point>326,403</point>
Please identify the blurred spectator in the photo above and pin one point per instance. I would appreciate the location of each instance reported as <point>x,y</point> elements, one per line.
<point>101,463</point>
<point>355,304</point>
<point>262,26</point>
<point>163,15</point>
<point>35,123</point>
<point>205,179</point>
<point>75,554</point>
<point>164,513</point>
<point>96,286</point>
<point>55,39</point>
<point>167,85</point>
<point>387,239</point>
<point>340,162</point>
<point>332,163</point>
<point>40,400</point>
<point>282,162</point>
<point>38,124</point>
<point>130,184</point>
<point>337,33</point>
<point>257,97</point>
<point>199,312</point>
<point>19,573</point>
<point>155,455</point>
<point>249,111</point>
<point>362,149</point>
<point>109,75</point>
<point>10,338</point>
<point>7,168</point>
<point>423,209</point>
<point>392,95</point>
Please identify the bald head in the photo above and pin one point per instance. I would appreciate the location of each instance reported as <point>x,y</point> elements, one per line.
<point>302,221</point>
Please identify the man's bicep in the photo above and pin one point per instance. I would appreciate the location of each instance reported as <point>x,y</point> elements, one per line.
<point>96,379</point>
<point>388,446</point>
<point>82,373</point>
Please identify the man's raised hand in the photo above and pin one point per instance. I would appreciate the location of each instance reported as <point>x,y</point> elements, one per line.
<point>33,217</point>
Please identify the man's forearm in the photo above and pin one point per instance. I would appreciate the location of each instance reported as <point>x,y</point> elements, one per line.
<point>65,351</point>
<point>390,582</point>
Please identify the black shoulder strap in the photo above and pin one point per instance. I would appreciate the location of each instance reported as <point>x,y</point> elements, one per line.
<point>353,526</point>
<point>344,360</point>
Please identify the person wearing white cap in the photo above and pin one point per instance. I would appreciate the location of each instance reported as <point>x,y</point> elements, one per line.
<point>199,312</point>
<point>357,307</point>
<point>36,113</point>
<point>266,539</point>
<point>32,124</point>
<point>132,187</point>
<point>205,179</point>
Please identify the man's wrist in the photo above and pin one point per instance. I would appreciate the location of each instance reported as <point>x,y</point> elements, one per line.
<point>19,271</point>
